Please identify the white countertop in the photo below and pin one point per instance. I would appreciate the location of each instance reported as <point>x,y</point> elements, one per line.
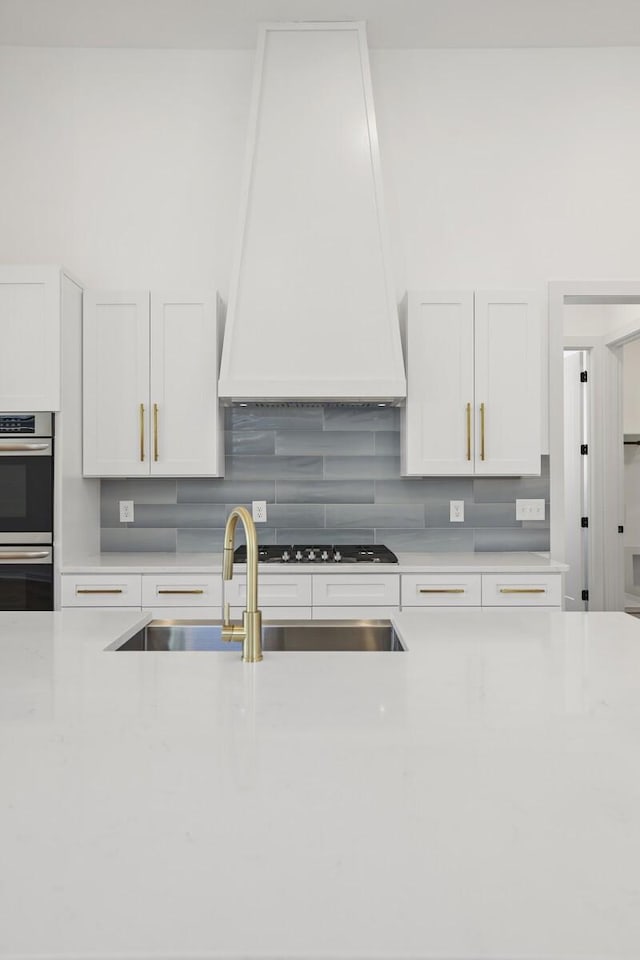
<point>477,796</point>
<point>520,562</point>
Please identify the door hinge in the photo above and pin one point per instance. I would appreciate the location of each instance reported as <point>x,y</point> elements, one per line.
<point>584,521</point>
<point>585,594</point>
<point>584,449</point>
<point>583,376</point>
<point>620,529</point>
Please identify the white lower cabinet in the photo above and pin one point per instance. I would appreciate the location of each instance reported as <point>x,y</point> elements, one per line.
<point>356,589</point>
<point>181,590</point>
<point>89,590</point>
<point>274,591</point>
<point>521,590</point>
<point>276,613</point>
<point>335,596</point>
<point>441,590</point>
<point>354,613</point>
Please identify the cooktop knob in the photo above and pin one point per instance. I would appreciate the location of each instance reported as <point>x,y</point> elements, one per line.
<point>312,555</point>
<point>298,555</point>
<point>337,556</point>
<point>324,555</point>
<point>285,556</point>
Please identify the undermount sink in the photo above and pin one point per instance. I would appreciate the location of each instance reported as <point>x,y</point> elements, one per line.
<point>292,635</point>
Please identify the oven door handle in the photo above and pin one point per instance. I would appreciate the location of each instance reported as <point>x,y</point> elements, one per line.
<point>13,447</point>
<point>13,555</point>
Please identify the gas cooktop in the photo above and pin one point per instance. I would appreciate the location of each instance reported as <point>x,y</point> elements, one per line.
<point>320,553</point>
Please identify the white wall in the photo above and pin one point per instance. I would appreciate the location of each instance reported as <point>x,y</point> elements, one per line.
<point>502,168</point>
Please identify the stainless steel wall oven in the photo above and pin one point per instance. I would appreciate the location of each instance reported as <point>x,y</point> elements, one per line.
<point>26,511</point>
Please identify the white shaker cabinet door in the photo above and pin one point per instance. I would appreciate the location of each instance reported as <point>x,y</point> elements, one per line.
<point>186,428</point>
<point>438,418</point>
<point>116,384</point>
<point>507,383</point>
<point>30,338</point>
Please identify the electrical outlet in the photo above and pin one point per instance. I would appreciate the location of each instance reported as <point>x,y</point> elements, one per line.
<point>126,511</point>
<point>456,511</point>
<point>259,511</point>
<point>529,509</point>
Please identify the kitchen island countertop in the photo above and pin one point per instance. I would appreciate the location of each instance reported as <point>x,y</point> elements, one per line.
<point>476,796</point>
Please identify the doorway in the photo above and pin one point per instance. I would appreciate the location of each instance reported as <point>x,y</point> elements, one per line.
<point>598,319</point>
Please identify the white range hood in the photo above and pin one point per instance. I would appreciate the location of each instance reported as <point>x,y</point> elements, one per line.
<point>312,312</point>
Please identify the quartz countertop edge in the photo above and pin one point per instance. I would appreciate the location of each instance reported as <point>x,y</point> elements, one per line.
<point>472,797</point>
<point>199,563</point>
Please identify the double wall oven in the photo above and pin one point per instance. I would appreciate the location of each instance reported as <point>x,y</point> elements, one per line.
<point>26,511</point>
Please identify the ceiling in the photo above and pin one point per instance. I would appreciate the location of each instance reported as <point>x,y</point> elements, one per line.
<point>390,23</point>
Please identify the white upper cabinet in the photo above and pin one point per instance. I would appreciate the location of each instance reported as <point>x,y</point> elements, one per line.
<point>437,433</point>
<point>30,306</point>
<point>186,429</point>
<point>473,372</point>
<point>150,369</point>
<point>507,383</point>
<point>116,384</point>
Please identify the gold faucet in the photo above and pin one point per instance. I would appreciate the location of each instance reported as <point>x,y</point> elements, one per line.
<point>251,630</point>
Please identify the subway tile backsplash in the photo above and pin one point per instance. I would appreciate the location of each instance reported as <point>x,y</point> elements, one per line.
<point>328,474</point>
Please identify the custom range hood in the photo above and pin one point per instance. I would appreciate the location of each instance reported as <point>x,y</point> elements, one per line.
<point>312,313</point>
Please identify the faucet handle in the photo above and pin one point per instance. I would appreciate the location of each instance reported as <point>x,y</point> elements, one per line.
<point>227,614</point>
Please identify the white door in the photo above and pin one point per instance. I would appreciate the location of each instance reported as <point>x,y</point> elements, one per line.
<point>186,434</point>
<point>507,383</point>
<point>116,384</point>
<point>575,474</point>
<point>438,418</point>
<point>29,338</point>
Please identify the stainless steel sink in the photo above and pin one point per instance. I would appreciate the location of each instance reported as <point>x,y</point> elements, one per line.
<point>309,635</point>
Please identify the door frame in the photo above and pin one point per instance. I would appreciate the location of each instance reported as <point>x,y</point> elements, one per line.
<point>607,456</point>
<point>593,532</point>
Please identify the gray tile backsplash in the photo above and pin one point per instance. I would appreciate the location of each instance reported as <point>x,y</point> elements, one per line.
<point>328,474</point>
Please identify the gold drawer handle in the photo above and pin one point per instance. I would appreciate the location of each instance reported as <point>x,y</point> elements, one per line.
<point>180,591</point>
<point>468,431</point>
<point>442,590</point>
<point>482,456</point>
<point>155,432</point>
<point>522,590</point>
<point>81,590</point>
<point>142,432</point>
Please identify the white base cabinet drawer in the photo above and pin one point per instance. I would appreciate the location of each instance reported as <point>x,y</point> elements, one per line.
<point>354,613</point>
<point>441,590</point>
<point>85,590</point>
<point>275,613</point>
<point>521,590</point>
<point>184,613</point>
<point>526,610</point>
<point>181,590</point>
<point>274,590</point>
<point>352,589</point>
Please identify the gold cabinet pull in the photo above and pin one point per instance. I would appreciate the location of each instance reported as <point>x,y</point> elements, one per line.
<point>468,431</point>
<point>115,590</point>
<point>441,590</point>
<point>522,590</point>
<point>142,432</point>
<point>155,432</point>
<point>180,591</point>
<point>482,431</point>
